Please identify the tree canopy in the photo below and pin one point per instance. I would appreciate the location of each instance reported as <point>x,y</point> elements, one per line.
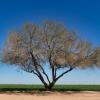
<point>35,45</point>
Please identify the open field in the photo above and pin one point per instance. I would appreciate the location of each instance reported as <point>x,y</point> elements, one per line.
<point>29,88</point>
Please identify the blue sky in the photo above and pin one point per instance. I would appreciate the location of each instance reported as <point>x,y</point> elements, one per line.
<point>82,16</point>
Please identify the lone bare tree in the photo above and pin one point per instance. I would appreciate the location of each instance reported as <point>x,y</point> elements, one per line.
<point>46,49</point>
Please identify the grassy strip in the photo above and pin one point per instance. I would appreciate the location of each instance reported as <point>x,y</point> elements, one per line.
<point>27,88</point>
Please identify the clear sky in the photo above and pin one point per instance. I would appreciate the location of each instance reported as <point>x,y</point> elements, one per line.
<point>83,16</point>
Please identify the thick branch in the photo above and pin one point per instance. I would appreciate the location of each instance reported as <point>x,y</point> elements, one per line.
<point>45,74</point>
<point>52,67</point>
<point>41,69</point>
<point>34,73</point>
<point>64,73</point>
<point>36,68</point>
<point>36,64</point>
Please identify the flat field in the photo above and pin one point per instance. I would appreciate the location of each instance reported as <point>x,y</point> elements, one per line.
<point>29,88</point>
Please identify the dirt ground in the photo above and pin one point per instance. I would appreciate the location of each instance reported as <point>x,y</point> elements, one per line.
<point>52,96</point>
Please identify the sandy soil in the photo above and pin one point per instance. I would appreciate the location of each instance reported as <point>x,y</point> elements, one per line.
<point>53,96</point>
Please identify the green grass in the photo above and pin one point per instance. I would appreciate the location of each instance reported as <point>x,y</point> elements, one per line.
<point>77,87</point>
<point>29,88</point>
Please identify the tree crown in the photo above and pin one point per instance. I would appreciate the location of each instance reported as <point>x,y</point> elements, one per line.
<point>51,43</point>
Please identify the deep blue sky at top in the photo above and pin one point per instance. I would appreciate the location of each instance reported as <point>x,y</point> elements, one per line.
<point>82,16</point>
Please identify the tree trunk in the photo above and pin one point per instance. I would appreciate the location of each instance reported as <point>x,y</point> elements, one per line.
<point>50,86</point>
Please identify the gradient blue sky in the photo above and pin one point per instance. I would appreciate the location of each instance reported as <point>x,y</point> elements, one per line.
<point>83,16</point>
